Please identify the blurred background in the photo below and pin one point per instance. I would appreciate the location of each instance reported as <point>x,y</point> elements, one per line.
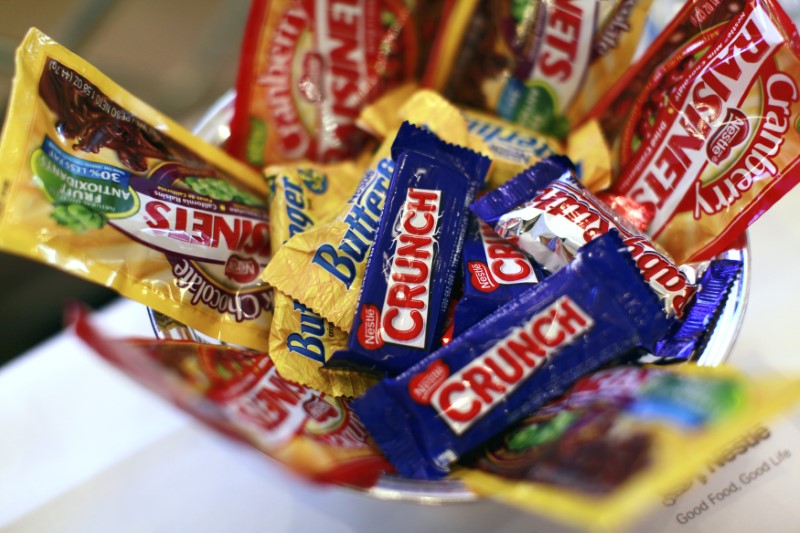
<point>179,56</point>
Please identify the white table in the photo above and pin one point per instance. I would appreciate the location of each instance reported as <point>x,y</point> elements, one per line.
<point>83,448</point>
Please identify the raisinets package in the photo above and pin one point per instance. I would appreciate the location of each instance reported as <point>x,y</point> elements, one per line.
<point>99,184</point>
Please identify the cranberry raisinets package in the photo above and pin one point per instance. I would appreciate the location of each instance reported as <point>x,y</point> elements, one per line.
<point>704,128</point>
<point>308,68</point>
<point>241,394</point>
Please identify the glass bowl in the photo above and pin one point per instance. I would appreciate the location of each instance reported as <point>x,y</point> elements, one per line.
<point>213,127</point>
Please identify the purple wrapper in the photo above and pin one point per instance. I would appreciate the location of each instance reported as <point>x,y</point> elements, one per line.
<point>549,215</point>
<point>689,335</point>
<point>528,352</point>
<point>416,254</point>
<point>494,272</point>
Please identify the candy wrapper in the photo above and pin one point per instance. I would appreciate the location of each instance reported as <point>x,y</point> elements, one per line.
<point>604,453</point>
<point>307,69</point>
<point>494,272</point>
<point>414,260</point>
<point>300,340</point>
<point>241,394</point>
<point>528,352</point>
<point>704,127</point>
<point>511,147</point>
<point>95,182</point>
<point>323,268</point>
<point>549,215</point>
<point>540,64</point>
<point>689,335</point>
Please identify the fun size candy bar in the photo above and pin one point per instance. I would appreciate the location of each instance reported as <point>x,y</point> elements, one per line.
<point>324,267</point>
<point>549,215</point>
<point>300,340</point>
<point>241,394</point>
<point>494,272</point>
<point>526,353</point>
<point>512,147</point>
<point>415,258</point>
<point>616,444</point>
<point>539,63</point>
<point>689,335</point>
<point>307,69</point>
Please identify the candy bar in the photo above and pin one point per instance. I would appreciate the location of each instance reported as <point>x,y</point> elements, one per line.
<point>549,215</point>
<point>622,438</point>
<point>541,64</point>
<point>704,127</point>
<point>414,260</point>
<point>300,341</point>
<point>96,182</point>
<point>240,393</point>
<point>307,69</point>
<point>494,272</point>
<point>526,353</point>
<point>323,268</point>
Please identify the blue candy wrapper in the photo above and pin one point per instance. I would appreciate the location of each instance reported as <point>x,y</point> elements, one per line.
<point>494,272</point>
<point>417,251</point>
<point>549,215</point>
<point>689,335</point>
<point>528,352</point>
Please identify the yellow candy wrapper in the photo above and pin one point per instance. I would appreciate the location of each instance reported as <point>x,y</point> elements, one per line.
<point>541,64</point>
<point>239,393</point>
<point>512,147</point>
<point>323,267</point>
<point>606,452</point>
<point>300,340</point>
<point>303,194</point>
<point>99,184</point>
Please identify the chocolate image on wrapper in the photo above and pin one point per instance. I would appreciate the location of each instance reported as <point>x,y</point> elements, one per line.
<point>606,429</point>
<point>528,352</point>
<point>415,257</point>
<point>548,214</point>
<point>539,63</point>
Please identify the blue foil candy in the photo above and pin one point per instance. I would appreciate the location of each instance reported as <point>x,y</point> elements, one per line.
<point>525,354</point>
<point>494,272</point>
<point>417,251</point>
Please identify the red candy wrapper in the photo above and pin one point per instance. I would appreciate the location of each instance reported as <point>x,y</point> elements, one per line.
<point>241,394</point>
<point>307,69</point>
<point>704,127</point>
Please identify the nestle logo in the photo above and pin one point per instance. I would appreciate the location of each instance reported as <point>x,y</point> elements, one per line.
<point>481,279</point>
<point>241,269</point>
<point>733,132</point>
<point>369,335</point>
<point>423,385</point>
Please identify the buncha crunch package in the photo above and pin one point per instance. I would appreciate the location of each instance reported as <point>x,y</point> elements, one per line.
<point>97,183</point>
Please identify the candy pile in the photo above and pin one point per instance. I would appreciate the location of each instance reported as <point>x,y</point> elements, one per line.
<point>442,239</point>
